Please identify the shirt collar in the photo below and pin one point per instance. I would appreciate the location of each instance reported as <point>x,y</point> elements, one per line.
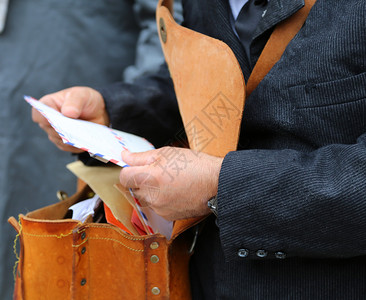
<point>236,6</point>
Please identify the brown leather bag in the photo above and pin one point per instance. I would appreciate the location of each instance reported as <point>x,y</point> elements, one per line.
<point>65,259</point>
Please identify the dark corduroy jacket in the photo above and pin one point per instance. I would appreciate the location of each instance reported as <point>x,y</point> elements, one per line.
<point>292,200</point>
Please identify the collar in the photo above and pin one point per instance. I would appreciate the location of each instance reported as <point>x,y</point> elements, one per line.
<point>277,11</point>
<point>217,14</point>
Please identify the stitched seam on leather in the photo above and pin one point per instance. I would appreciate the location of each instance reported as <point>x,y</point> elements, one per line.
<point>91,238</point>
<point>15,249</point>
<point>62,235</point>
<point>79,231</point>
<point>75,246</point>
<point>117,241</point>
<point>116,230</point>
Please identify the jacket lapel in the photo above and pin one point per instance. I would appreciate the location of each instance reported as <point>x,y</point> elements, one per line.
<point>277,11</point>
<point>217,13</point>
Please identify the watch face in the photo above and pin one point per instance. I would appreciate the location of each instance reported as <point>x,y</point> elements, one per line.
<point>212,205</point>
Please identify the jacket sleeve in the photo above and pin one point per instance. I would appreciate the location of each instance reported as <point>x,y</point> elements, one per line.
<point>144,103</point>
<point>293,203</point>
<point>149,55</point>
<point>147,108</point>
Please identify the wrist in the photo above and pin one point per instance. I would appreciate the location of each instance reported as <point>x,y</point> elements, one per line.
<point>211,202</point>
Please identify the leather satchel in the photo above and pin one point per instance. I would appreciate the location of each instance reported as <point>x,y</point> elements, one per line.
<point>66,259</point>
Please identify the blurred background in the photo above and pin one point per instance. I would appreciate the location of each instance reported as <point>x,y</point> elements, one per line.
<point>46,46</point>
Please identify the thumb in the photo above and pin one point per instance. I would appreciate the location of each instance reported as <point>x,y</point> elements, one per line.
<point>74,102</point>
<point>139,159</point>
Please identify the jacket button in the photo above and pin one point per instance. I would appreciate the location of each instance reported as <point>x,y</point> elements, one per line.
<point>243,253</point>
<point>280,255</point>
<point>261,253</point>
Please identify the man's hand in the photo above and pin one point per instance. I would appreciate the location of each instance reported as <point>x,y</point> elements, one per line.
<point>176,183</point>
<point>78,103</point>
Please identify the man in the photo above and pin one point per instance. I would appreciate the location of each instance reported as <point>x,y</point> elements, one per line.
<point>291,208</point>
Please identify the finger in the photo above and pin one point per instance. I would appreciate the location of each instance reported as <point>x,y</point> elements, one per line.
<point>139,197</point>
<point>135,177</point>
<point>50,132</point>
<point>46,127</point>
<point>79,103</point>
<point>75,100</point>
<point>52,100</point>
<point>57,141</point>
<point>86,104</point>
<point>37,117</point>
<point>69,148</point>
<point>55,138</point>
<point>139,159</point>
<point>62,146</point>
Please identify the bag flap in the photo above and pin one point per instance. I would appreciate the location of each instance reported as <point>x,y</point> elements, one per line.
<point>208,83</point>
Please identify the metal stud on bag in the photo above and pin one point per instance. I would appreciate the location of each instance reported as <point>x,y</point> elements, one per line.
<point>61,195</point>
<point>162,30</point>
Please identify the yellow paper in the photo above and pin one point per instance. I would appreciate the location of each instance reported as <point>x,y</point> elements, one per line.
<point>102,180</point>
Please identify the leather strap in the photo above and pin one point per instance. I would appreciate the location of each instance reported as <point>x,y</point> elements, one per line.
<point>276,45</point>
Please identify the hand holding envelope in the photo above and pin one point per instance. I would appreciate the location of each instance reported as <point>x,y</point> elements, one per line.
<point>82,103</point>
<point>106,144</point>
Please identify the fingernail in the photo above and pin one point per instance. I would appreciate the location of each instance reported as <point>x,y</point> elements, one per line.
<point>70,111</point>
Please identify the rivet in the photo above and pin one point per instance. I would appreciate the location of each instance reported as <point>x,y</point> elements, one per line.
<point>155,290</point>
<point>154,245</point>
<point>60,283</point>
<point>83,235</point>
<point>83,281</point>
<point>60,260</point>
<point>61,195</point>
<point>154,259</point>
<point>83,250</point>
<point>162,30</point>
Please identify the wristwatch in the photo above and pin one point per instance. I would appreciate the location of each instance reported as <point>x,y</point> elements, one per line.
<point>212,205</point>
